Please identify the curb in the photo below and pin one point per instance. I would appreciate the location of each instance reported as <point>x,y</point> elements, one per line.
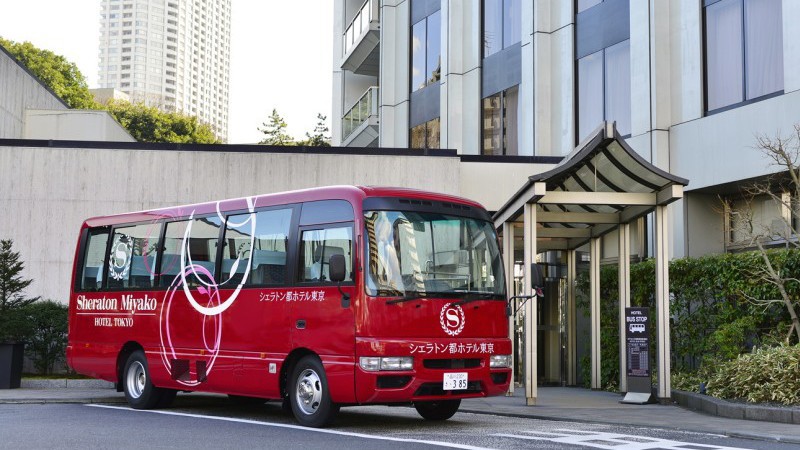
<point>34,383</point>
<point>732,410</point>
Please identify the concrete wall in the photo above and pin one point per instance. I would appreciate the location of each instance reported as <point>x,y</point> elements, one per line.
<point>46,193</point>
<point>493,183</point>
<point>75,125</point>
<point>19,90</point>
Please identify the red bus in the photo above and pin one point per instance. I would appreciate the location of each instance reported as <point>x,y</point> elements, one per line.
<point>319,298</point>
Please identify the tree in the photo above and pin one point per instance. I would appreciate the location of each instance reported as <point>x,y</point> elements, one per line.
<point>55,71</point>
<point>319,138</point>
<point>782,190</point>
<point>275,131</point>
<point>149,124</point>
<point>12,299</point>
<point>145,124</point>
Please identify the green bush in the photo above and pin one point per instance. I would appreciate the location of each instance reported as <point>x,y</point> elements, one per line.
<point>687,381</point>
<point>711,316</point>
<point>766,375</point>
<point>47,340</point>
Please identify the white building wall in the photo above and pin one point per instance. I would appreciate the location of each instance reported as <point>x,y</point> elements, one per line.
<point>19,90</point>
<point>669,125</point>
<point>461,76</point>
<point>76,125</point>
<point>394,72</point>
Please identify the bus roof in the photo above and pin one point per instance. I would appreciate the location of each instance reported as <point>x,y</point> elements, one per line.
<point>353,194</point>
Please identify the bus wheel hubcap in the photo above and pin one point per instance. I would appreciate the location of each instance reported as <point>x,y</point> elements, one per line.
<point>309,391</point>
<point>136,379</point>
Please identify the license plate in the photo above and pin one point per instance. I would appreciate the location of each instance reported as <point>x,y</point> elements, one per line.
<point>455,381</point>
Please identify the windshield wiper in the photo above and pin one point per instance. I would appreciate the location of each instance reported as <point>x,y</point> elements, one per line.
<point>407,297</point>
<point>470,297</point>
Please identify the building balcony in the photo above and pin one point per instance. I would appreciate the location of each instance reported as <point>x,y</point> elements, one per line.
<point>360,124</point>
<point>362,39</point>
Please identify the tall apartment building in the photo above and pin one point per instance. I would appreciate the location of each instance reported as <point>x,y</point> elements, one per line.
<point>690,84</point>
<point>173,54</point>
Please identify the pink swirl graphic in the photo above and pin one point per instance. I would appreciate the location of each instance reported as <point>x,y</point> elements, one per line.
<point>205,300</point>
<point>210,327</point>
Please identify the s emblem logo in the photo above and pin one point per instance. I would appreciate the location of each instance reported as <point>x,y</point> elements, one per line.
<point>452,319</point>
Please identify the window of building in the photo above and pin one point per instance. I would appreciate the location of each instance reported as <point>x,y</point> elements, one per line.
<point>500,120</point>
<point>501,25</point>
<point>426,51</point>
<point>426,135</point>
<point>583,5</point>
<point>604,89</point>
<point>602,36</point>
<point>744,51</point>
<point>769,218</point>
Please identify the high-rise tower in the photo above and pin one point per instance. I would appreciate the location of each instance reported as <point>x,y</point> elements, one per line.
<point>173,54</point>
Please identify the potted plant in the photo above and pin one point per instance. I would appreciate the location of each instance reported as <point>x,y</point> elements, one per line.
<point>14,328</point>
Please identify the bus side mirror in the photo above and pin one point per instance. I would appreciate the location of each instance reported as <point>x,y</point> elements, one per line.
<point>336,267</point>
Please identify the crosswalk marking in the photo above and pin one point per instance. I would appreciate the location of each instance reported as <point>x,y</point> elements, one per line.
<point>614,441</point>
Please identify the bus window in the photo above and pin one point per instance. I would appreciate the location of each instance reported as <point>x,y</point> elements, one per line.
<point>316,248</point>
<point>93,260</point>
<point>200,247</point>
<point>266,251</point>
<point>131,262</point>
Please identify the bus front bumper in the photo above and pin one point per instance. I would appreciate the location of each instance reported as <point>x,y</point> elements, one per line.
<point>434,361</point>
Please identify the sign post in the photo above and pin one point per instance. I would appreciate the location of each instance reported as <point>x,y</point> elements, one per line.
<point>637,347</point>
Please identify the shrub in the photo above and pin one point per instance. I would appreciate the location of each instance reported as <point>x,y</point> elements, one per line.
<point>687,381</point>
<point>47,341</point>
<point>766,375</point>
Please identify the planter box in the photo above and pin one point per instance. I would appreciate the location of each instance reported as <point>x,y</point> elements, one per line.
<point>11,364</point>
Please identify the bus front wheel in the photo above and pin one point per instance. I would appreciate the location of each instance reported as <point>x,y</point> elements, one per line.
<point>437,410</point>
<point>309,394</point>
<point>139,390</point>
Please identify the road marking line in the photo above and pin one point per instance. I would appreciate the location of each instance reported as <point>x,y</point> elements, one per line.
<point>611,440</point>
<point>295,427</point>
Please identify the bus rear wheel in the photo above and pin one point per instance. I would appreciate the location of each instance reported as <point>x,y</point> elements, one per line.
<point>309,394</point>
<point>437,410</point>
<point>139,390</point>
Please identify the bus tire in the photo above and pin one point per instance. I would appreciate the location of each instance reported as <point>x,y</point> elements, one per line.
<point>437,410</point>
<point>309,394</point>
<point>139,390</point>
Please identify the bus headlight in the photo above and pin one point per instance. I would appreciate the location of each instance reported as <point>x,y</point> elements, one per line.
<point>375,363</point>
<point>500,361</point>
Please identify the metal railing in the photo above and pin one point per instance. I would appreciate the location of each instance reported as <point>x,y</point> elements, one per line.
<point>365,107</point>
<point>368,12</point>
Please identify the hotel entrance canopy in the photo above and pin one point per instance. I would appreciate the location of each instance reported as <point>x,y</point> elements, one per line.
<point>602,186</point>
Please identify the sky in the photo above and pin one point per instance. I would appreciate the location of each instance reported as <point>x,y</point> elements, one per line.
<point>281,55</point>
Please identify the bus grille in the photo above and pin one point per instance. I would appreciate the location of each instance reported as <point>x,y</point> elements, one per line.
<point>469,363</point>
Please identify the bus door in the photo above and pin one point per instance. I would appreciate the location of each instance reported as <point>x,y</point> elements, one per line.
<point>191,333</point>
<point>254,268</point>
<point>322,313</point>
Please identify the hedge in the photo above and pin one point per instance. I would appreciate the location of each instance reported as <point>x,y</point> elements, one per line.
<point>712,318</point>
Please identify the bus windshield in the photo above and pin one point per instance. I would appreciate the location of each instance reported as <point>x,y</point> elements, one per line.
<point>420,254</point>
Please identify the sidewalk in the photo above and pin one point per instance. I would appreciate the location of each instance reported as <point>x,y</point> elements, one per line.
<point>553,403</point>
<point>583,405</point>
